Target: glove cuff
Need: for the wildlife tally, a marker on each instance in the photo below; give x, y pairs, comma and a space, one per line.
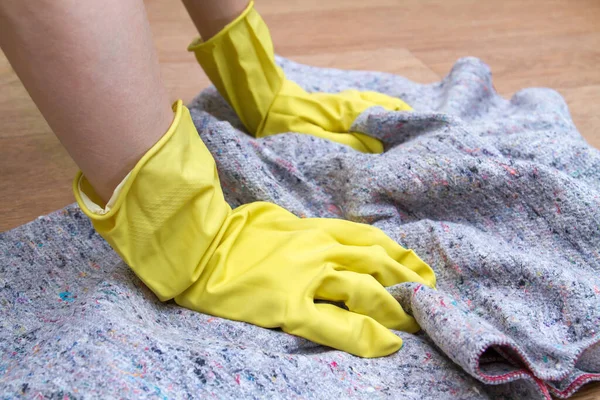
198, 42
240, 62
167, 212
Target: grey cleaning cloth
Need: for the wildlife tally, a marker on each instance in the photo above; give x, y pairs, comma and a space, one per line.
501, 198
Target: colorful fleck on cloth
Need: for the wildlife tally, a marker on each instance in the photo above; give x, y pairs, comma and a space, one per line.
501, 198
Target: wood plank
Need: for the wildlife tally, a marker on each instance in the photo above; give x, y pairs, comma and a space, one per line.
36, 178
391, 60
583, 104
552, 61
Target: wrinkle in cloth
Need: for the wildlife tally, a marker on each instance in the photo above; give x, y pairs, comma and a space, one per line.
501, 197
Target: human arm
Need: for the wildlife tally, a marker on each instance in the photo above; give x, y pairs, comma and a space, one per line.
167, 218
86, 65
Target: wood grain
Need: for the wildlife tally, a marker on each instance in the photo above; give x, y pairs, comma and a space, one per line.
552, 43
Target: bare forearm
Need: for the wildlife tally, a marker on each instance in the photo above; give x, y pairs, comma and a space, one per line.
210, 16
92, 71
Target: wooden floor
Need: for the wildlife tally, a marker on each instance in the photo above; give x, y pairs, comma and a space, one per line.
553, 43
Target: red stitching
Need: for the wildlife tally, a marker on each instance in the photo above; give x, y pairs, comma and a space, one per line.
575, 385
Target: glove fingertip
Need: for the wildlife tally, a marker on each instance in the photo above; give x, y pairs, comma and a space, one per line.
383, 343
394, 344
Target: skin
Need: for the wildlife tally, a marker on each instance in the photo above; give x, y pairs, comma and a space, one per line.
211, 16
87, 64
91, 68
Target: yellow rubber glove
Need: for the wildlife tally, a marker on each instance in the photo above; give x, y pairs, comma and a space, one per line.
258, 263
240, 62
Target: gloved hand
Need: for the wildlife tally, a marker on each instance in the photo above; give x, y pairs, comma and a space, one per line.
240, 62
258, 263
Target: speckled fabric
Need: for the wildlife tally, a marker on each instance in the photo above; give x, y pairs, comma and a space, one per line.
501, 198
